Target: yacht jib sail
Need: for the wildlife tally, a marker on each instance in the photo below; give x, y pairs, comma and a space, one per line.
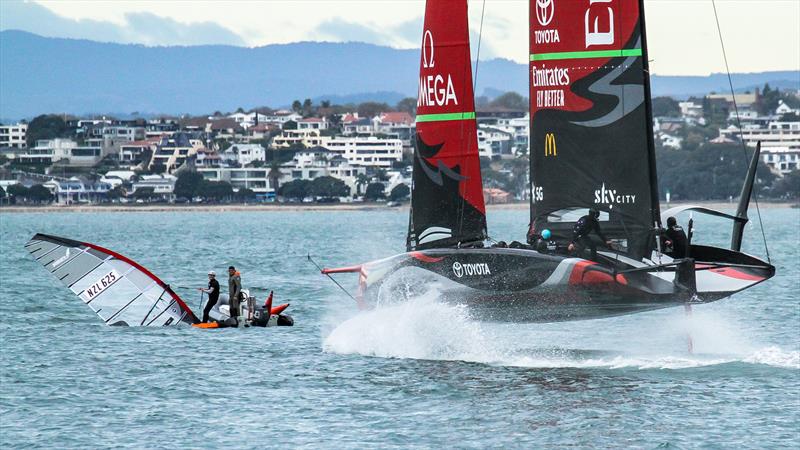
116, 288
447, 207
590, 117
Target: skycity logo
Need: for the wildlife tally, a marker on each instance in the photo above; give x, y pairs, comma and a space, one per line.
545, 9
470, 269
433, 89
550, 148
612, 197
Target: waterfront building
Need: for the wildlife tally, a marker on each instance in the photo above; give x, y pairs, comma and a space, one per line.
173, 151
352, 125
205, 158
312, 123
243, 154
78, 190
780, 143
14, 135
308, 138
367, 151
64, 152
306, 165
282, 116
161, 126
493, 142
134, 153
163, 185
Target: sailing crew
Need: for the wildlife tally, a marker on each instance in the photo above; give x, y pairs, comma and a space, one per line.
234, 290
545, 244
675, 239
213, 294
580, 234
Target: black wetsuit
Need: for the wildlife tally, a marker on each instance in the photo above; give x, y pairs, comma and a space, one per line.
213, 297
680, 244
580, 235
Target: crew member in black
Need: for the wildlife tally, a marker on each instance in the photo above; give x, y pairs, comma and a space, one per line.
213, 294
580, 234
675, 240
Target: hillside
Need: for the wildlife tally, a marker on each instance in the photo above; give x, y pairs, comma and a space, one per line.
41, 74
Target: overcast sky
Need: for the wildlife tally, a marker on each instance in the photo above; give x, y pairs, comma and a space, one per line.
760, 35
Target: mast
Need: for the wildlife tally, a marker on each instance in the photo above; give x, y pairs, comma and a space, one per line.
648, 102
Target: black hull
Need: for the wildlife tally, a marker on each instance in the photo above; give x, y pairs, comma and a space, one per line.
520, 285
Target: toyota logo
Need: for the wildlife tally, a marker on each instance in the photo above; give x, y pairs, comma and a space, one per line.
458, 269
544, 11
427, 45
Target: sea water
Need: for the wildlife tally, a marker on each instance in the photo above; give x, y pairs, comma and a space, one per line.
416, 374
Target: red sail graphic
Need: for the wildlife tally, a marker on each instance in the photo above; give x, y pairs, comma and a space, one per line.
448, 192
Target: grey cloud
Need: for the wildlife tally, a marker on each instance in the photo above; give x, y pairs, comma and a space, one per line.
140, 28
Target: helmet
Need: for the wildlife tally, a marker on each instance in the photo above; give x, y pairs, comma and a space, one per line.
212, 273
546, 234
594, 212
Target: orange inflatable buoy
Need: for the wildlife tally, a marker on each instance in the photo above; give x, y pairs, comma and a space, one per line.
206, 325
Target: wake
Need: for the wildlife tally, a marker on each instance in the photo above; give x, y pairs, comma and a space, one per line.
423, 328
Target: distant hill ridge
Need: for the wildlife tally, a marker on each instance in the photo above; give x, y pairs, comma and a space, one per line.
40, 74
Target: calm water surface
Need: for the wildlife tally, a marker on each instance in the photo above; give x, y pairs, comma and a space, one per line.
418, 374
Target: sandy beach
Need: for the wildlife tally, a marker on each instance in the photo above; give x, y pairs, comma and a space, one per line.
305, 207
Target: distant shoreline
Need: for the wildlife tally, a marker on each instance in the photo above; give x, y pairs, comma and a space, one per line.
288, 207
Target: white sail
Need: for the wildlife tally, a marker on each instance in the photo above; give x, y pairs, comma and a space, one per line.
116, 288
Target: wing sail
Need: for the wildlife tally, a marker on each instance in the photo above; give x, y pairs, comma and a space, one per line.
117, 289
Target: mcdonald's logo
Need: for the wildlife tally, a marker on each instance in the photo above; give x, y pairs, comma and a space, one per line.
550, 148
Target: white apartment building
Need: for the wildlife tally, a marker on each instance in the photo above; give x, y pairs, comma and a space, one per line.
13, 135
312, 123
241, 178
163, 185
281, 117
60, 151
780, 143
494, 142
774, 135
781, 160
306, 137
367, 151
691, 109
306, 165
244, 154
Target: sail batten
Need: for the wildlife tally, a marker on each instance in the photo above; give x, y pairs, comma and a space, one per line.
447, 207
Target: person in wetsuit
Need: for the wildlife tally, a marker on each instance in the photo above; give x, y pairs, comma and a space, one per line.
580, 234
675, 238
213, 294
234, 290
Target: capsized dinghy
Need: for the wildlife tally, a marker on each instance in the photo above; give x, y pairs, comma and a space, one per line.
124, 293
591, 147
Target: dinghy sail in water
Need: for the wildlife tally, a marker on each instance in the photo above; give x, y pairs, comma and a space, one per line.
591, 148
122, 292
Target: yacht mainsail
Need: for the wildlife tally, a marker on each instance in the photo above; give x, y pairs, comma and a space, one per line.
447, 207
591, 142
118, 289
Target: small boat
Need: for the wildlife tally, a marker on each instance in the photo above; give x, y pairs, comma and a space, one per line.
124, 293
591, 148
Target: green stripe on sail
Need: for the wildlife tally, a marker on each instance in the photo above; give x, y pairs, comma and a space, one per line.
587, 54
445, 116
